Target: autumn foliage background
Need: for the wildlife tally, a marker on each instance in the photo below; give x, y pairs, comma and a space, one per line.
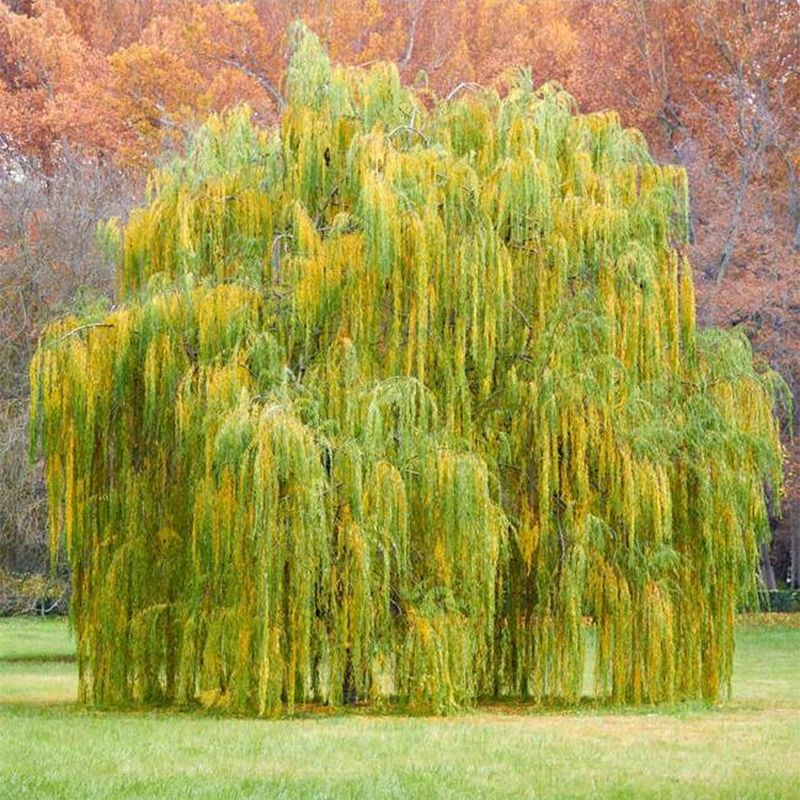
94, 92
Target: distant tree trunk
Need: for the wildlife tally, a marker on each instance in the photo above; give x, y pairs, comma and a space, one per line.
730, 240
794, 195
794, 546
415, 11
767, 572
349, 694
752, 98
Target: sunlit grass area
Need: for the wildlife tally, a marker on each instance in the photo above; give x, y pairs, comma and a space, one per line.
36, 639
742, 748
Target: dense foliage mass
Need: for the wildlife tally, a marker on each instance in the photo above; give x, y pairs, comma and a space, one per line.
94, 92
393, 398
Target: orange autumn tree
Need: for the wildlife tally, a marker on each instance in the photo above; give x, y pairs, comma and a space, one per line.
130, 78
47, 81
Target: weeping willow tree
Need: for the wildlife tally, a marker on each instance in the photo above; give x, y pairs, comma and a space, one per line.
395, 401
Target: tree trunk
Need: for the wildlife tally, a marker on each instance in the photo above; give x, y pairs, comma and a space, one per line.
794, 546
767, 572
730, 240
412, 33
794, 206
793, 181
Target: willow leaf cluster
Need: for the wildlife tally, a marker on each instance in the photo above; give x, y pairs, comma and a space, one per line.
403, 400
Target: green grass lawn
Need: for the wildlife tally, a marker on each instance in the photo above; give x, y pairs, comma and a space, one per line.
748, 747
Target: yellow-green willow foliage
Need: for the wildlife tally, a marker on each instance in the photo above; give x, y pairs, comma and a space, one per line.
394, 399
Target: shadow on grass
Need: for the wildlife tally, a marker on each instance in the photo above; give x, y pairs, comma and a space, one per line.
40, 659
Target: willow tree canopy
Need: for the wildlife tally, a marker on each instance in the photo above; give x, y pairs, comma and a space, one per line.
397, 401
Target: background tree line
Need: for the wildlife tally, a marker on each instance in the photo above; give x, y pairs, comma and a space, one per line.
94, 92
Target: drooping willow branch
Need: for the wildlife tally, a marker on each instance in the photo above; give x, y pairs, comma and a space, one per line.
402, 445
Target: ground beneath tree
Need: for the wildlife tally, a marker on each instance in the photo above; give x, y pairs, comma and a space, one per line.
743, 748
